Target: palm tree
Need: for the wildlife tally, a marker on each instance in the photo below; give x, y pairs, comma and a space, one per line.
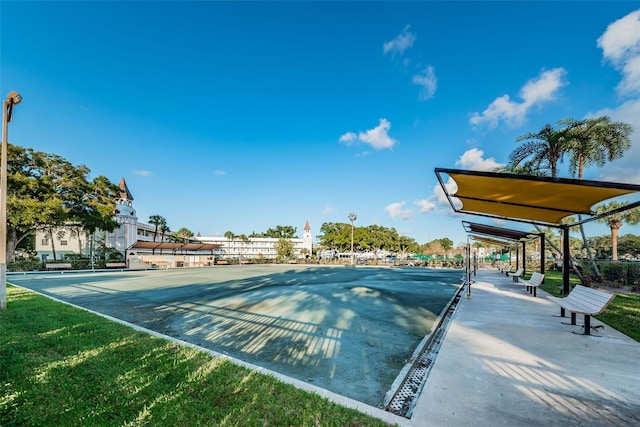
540, 153
544, 149
157, 221
616, 220
244, 239
230, 236
164, 229
594, 142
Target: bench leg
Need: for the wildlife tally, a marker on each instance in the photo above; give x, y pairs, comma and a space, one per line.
562, 312
587, 324
573, 318
534, 290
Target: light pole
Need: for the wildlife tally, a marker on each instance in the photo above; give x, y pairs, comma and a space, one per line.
352, 217
13, 98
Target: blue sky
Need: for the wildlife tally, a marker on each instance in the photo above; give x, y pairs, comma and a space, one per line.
241, 116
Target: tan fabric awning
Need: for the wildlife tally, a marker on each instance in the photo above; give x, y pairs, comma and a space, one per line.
531, 198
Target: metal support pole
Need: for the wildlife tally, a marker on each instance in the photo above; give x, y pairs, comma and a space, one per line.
352, 218
542, 255
3, 206
468, 253
566, 288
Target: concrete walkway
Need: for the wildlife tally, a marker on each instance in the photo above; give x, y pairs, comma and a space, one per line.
507, 360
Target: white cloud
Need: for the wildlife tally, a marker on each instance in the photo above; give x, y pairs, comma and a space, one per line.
219, 172
396, 210
535, 92
620, 45
328, 210
400, 43
378, 137
473, 160
626, 169
428, 83
141, 172
425, 205
348, 138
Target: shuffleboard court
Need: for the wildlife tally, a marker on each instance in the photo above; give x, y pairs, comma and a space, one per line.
348, 330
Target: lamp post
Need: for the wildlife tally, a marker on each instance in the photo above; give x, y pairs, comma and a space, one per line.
13, 98
352, 217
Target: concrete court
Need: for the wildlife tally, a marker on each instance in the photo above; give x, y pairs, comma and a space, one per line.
343, 329
508, 361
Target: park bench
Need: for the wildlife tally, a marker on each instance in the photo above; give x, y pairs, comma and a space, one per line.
532, 284
58, 266
505, 269
116, 265
583, 300
516, 274
222, 262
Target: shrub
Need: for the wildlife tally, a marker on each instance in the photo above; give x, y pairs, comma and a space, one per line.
24, 264
633, 276
614, 275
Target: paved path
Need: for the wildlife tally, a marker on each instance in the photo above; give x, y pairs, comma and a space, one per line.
507, 361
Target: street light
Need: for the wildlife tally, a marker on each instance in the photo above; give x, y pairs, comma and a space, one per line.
352, 217
13, 98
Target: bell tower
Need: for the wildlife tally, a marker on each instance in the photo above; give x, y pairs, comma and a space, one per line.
307, 240
125, 215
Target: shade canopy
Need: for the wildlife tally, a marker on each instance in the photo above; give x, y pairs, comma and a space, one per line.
493, 231
174, 246
530, 198
490, 241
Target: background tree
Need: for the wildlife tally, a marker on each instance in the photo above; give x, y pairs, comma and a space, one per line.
156, 221
616, 220
629, 244
230, 236
446, 244
335, 236
375, 238
100, 205
282, 231
183, 234
164, 229
284, 248
45, 192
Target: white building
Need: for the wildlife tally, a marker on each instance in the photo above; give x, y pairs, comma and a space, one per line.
253, 248
72, 240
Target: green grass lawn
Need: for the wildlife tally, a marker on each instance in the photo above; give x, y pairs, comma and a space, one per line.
623, 313
62, 366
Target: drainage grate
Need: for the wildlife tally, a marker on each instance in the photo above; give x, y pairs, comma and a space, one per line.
406, 395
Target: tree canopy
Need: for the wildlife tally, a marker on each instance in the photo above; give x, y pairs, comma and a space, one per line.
372, 238
280, 232
45, 191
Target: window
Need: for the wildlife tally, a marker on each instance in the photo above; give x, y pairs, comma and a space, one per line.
45, 242
63, 243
